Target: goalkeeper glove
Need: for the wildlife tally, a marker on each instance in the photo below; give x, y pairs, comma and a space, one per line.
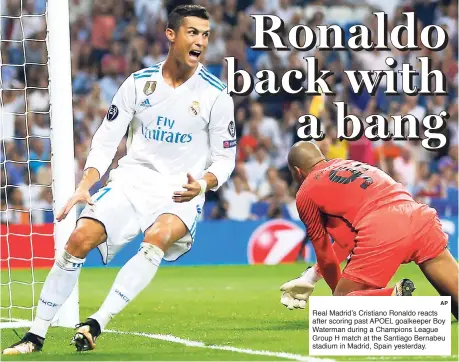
296, 292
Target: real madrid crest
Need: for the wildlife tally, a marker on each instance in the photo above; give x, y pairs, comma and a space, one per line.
195, 108
149, 88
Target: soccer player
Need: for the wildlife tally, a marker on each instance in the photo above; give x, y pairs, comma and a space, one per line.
386, 228
181, 143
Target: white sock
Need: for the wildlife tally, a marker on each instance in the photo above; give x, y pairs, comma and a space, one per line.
58, 286
133, 277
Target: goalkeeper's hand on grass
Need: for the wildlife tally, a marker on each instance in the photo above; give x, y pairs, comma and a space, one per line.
295, 293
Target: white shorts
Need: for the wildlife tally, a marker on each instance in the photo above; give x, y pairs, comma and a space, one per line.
126, 212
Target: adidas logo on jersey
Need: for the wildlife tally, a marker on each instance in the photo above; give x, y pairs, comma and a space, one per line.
145, 103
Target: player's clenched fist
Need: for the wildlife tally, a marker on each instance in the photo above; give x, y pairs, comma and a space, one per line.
296, 293
80, 195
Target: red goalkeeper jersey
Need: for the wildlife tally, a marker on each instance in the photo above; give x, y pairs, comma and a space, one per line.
346, 189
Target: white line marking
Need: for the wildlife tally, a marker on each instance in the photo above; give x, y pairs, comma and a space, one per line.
18, 323
189, 343
412, 358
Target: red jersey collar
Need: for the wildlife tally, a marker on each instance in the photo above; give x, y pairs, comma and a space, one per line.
320, 165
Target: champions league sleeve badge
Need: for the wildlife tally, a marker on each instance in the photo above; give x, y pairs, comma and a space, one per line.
232, 129
112, 113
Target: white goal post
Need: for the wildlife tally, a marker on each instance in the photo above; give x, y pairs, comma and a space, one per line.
62, 147
61, 153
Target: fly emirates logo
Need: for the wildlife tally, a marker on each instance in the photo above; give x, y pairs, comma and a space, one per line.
163, 132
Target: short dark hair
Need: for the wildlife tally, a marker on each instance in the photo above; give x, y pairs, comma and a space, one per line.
176, 16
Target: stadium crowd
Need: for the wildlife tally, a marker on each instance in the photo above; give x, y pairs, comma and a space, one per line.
111, 39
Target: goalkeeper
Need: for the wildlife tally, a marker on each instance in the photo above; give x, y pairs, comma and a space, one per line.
386, 228
181, 143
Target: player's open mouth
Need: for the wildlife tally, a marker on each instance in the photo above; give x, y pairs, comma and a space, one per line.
195, 54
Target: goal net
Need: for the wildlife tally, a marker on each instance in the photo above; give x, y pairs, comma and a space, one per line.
37, 172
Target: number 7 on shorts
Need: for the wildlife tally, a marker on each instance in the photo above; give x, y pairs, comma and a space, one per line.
104, 191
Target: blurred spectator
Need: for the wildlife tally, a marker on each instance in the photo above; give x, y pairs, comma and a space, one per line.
96, 103
44, 175
16, 213
239, 200
286, 11
109, 83
84, 72
10, 104
249, 141
268, 128
240, 170
447, 168
43, 207
27, 26
155, 56
256, 168
30, 193
35, 50
148, 12
78, 9
405, 167
15, 167
230, 12
114, 60
432, 188
37, 154
219, 27
103, 27
38, 98
362, 150
258, 7
4, 219
157, 35
287, 131
411, 106
422, 176
219, 212
385, 154
39, 124
266, 188
336, 148
280, 196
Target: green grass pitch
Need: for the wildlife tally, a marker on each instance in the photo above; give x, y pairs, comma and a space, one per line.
226, 306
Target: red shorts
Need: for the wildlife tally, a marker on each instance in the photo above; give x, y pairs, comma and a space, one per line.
392, 236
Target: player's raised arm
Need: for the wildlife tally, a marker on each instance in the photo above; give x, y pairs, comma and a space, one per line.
108, 136
222, 135
326, 257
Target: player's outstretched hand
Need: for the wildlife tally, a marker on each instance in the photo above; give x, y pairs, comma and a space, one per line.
295, 293
80, 195
193, 188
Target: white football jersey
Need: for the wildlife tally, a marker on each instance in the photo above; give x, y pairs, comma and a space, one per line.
171, 131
